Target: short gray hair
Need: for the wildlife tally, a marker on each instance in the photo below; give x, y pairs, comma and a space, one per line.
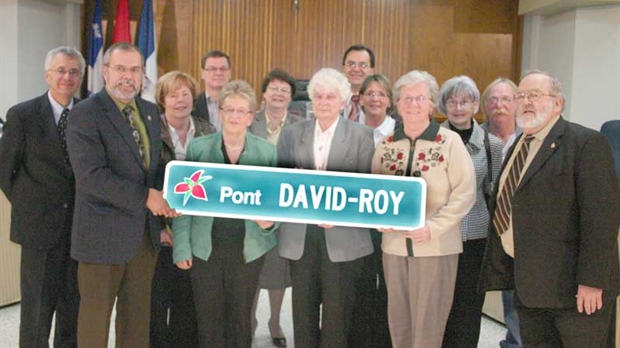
555, 86
241, 89
67, 51
332, 79
121, 46
414, 77
458, 86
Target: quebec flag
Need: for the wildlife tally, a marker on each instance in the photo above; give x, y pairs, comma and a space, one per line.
95, 54
146, 44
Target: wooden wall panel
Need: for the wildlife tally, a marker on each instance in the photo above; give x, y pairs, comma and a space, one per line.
445, 37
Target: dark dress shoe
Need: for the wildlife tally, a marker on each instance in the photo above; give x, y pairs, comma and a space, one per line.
279, 342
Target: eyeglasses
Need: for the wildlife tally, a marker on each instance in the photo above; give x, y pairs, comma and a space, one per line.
533, 96
233, 111
373, 94
134, 70
212, 69
420, 99
352, 65
453, 104
495, 100
275, 89
62, 72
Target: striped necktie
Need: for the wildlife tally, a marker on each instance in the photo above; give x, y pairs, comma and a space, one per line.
501, 219
354, 113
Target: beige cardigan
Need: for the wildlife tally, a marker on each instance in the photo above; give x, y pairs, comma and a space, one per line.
441, 159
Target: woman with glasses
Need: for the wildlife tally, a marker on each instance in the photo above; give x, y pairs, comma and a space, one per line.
278, 89
225, 255
326, 261
459, 100
370, 327
172, 292
376, 102
420, 265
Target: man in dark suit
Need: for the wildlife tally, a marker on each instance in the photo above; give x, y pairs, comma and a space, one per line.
555, 224
36, 177
114, 146
215, 74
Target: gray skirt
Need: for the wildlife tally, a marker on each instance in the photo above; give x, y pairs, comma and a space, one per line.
276, 273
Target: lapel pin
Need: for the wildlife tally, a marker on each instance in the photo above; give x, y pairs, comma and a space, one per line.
553, 145
148, 117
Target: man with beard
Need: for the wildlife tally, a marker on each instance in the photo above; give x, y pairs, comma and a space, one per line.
114, 145
357, 63
555, 224
498, 107
36, 177
215, 74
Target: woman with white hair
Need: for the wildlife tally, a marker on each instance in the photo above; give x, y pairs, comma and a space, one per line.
420, 265
326, 261
459, 100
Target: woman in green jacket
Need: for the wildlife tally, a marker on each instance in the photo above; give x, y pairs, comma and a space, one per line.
225, 255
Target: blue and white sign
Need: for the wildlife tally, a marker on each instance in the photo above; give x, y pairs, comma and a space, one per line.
294, 195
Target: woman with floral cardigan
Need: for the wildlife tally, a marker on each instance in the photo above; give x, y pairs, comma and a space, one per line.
420, 265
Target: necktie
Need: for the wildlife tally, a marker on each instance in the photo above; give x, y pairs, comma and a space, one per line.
62, 132
129, 115
354, 113
501, 219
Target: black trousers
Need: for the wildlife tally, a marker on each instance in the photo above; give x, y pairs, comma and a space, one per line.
48, 285
463, 327
564, 327
317, 280
224, 289
173, 315
369, 327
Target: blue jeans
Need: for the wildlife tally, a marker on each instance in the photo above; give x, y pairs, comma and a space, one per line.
513, 336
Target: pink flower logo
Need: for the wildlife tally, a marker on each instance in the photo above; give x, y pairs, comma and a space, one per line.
192, 187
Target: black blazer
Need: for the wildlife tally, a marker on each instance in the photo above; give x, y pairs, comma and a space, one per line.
111, 183
34, 175
566, 215
200, 108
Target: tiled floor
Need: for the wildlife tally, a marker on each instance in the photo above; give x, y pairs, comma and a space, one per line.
490, 335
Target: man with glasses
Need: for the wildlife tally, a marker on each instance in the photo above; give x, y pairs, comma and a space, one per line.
357, 63
114, 145
498, 107
555, 224
215, 74
36, 177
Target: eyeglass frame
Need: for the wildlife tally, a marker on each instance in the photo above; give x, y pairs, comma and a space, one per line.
375, 94
62, 72
233, 111
121, 69
453, 104
418, 99
495, 100
213, 69
275, 89
520, 97
352, 65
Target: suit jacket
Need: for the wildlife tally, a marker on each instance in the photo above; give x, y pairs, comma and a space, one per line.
112, 185
565, 216
192, 234
351, 151
34, 175
259, 124
200, 108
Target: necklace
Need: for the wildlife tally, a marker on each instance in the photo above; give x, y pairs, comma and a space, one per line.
234, 147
